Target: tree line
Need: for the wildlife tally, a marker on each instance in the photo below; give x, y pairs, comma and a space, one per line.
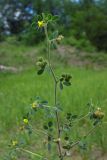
82, 19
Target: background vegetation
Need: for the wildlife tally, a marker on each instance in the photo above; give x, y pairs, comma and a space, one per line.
85, 20
83, 53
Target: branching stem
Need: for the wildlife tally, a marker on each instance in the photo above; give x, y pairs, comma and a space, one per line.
87, 134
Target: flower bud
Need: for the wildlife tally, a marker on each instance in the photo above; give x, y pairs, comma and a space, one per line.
25, 120
35, 105
14, 142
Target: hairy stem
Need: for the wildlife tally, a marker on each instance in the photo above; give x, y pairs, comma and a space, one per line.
55, 91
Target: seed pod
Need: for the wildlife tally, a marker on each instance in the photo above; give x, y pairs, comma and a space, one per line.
98, 114
59, 38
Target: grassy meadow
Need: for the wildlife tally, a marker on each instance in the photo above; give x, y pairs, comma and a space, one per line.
17, 91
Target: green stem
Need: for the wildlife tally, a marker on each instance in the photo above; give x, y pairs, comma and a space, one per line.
48, 51
40, 131
55, 91
90, 131
58, 124
77, 120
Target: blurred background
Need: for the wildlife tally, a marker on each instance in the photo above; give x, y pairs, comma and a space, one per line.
84, 20
82, 52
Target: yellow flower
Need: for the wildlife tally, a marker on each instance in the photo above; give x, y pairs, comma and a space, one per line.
35, 104
14, 142
41, 24
25, 120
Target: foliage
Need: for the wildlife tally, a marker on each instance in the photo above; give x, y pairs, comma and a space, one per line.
96, 32
86, 23
56, 134
82, 17
31, 36
82, 44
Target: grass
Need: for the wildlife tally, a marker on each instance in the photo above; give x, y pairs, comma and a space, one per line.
17, 91
11, 55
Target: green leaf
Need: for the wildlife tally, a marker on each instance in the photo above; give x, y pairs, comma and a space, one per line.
53, 44
54, 35
61, 85
74, 116
49, 17
66, 138
82, 145
50, 129
45, 127
40, 71
96, 122
55, 18
50, 123
91, 116
44, 102
68, 116
66, 147
67, 83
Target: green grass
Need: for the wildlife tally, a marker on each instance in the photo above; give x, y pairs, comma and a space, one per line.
17, 90
14, 54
